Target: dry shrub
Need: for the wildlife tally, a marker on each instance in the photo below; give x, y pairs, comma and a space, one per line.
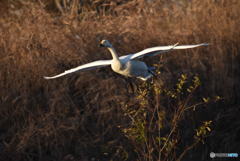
77, 117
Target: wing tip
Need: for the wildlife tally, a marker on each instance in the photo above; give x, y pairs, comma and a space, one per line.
47, 77
206, 44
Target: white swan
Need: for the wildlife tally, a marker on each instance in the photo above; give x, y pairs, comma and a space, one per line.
126, 65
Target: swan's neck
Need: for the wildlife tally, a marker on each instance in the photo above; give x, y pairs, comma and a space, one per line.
114, 53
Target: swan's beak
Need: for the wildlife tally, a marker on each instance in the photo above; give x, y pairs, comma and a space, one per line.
101, 45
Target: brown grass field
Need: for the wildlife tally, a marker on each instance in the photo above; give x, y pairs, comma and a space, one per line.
190, 110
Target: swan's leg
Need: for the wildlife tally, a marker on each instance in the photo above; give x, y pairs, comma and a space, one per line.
152, 71
151, 68
156, 78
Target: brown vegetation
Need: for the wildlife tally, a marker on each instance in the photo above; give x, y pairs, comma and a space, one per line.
93, 115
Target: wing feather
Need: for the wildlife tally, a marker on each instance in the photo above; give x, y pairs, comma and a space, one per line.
158, 50
147, 52
88, 66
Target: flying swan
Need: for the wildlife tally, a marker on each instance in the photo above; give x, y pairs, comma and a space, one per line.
127, 65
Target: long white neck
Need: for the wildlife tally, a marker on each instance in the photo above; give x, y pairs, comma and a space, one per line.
114, 53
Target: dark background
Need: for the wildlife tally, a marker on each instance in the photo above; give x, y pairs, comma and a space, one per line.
94, 115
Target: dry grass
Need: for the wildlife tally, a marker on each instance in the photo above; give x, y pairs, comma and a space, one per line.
87, 115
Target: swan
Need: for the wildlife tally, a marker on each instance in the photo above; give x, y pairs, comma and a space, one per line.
127, 65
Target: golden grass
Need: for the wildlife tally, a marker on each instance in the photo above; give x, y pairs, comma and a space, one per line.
83, 116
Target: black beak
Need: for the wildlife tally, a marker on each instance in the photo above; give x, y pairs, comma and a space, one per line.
101, 45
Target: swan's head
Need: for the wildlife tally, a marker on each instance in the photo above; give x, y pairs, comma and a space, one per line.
105, 43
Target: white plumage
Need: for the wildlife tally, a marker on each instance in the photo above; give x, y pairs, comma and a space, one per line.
126, 65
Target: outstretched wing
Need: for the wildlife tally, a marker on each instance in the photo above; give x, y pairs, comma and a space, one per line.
158, 50
88, 66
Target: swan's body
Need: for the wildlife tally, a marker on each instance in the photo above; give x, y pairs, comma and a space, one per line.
129, 68
126, 65
132, 68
